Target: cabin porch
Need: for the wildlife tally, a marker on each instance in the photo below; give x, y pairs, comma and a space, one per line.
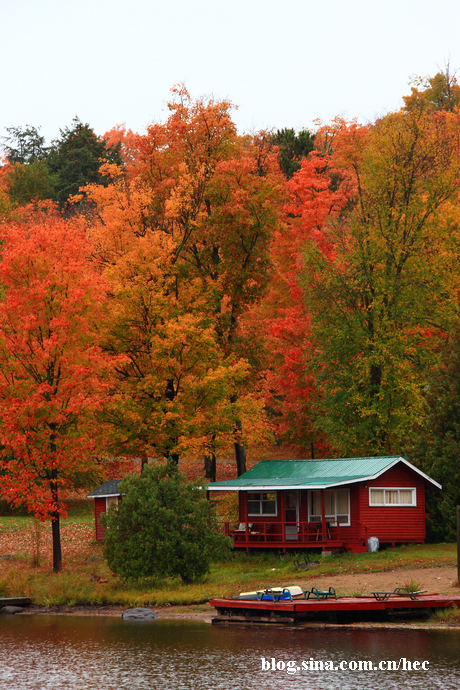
295, 535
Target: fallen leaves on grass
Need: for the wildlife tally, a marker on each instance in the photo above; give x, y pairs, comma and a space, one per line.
17, 539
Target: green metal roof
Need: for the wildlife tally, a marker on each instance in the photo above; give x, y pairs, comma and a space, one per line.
284, 474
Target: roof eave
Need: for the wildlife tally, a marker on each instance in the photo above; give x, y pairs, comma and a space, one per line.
288, 487
411, 467
279, 487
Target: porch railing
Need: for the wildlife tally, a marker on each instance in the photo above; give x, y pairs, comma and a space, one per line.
362, 531
282, 532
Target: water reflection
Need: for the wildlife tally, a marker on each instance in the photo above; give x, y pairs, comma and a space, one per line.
82, 653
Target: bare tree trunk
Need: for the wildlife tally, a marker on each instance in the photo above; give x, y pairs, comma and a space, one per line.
144, 461
210, 465
170, 395
240, 450
240, 455
55, 524
174, 457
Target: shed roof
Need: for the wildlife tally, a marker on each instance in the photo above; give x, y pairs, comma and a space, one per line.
313, 474
106, 489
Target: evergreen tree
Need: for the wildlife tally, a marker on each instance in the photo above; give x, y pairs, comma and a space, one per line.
24, 145
292, 148
164, 526
75, 160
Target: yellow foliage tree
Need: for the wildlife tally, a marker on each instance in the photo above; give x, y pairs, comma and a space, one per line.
381, 280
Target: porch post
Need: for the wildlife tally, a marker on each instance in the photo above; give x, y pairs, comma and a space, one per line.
458, 543
323, 517
245, 514
283, 517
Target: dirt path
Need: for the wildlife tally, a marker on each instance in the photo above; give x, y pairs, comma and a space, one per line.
437, 580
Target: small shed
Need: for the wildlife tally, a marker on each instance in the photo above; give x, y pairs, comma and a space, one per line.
105, 495
331, 504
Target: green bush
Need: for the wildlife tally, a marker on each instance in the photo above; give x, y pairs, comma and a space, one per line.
164, 526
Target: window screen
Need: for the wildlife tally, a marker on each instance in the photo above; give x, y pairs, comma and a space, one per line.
262, 503
392, 497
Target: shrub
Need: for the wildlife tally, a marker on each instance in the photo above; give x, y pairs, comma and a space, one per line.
413, 586
164, 526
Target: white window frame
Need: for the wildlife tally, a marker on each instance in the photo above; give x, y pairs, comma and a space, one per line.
330, 518
261, 500
109, 500
393, 505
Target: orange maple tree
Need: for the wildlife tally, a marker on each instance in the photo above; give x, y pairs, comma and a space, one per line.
54, 375
198, 204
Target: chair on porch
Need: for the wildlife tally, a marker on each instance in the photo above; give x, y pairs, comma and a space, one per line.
239, 534
254, 532
268, 532
319, 531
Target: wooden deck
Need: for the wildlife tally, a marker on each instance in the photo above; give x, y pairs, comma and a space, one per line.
342, 610
295, 536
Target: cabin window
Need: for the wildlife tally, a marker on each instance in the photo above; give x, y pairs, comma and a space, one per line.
336, 506
392, 497
261, 503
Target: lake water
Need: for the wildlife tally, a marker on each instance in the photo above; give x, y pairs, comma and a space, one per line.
82, 653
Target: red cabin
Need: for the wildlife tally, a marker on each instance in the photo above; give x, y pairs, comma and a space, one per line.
328, 504
105, 495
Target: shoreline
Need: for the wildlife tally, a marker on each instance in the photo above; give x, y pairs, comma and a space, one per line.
206, 616
434, 578
171, 612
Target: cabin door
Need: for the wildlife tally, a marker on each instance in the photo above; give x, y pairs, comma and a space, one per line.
291, 514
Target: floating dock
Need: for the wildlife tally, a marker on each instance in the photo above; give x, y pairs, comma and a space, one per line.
342, 610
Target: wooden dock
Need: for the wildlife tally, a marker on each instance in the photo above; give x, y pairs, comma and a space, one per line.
15, 601
342, 610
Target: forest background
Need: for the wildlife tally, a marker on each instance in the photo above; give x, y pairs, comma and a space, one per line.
191, 290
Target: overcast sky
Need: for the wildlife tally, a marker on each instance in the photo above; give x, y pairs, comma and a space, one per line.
283, 64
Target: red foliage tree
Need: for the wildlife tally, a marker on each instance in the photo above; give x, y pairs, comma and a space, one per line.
53, 375
318, 193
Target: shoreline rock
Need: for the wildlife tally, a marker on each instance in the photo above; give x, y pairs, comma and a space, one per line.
10, 610
139, 615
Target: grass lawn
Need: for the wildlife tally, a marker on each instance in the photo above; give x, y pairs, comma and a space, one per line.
86, 579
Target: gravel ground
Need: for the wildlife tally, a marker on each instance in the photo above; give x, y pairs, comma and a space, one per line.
436, 580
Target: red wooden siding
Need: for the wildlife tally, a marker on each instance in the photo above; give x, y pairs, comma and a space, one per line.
395, 523
388, 523
99, 508
348, 532
353, 532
